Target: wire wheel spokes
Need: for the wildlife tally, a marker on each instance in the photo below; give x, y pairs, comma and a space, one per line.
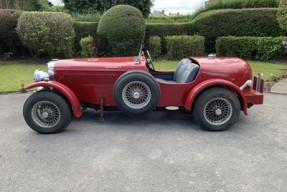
218, 111
46, 114
136, 94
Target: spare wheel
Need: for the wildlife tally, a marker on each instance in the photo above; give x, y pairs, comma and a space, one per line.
136, 93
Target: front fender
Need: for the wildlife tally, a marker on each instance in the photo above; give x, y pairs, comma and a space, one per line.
64, 90
199, 88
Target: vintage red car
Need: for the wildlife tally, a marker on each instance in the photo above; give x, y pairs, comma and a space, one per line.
214, 89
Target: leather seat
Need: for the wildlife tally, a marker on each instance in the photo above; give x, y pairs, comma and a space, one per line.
185, 72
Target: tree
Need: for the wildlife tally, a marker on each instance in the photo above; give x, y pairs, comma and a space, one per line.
101, 6
282, 14
38, 5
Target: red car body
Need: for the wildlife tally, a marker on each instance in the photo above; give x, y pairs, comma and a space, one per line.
92, 81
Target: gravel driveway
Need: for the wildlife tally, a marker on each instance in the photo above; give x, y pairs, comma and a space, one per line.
164, 151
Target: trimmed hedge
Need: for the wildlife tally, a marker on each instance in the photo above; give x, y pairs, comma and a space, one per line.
166, 29
179, 47
261, 48
155, 46
47, 34
243, 22
124, 28
8, 35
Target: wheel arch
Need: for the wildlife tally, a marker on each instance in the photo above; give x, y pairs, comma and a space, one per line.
64, 91
208, 84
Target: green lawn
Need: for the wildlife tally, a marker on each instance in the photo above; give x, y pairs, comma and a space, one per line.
13, 73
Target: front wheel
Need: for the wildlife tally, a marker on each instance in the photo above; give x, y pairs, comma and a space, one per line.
216, 109
47, 112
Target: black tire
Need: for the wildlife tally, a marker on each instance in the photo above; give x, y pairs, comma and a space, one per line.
47, 112
136, 93
216, 109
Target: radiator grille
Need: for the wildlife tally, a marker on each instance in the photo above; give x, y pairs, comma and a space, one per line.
85, 78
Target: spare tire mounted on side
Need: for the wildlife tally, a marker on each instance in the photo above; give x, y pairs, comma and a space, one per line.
136, 93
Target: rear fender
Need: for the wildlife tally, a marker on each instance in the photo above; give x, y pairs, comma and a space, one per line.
62, 89
199, 88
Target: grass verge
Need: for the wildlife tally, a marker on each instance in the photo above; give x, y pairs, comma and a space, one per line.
13, 73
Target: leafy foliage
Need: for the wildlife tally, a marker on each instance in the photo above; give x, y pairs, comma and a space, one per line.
13, 4
84, 6
38, 5
155, 46
237, 4
31, 5
183, 46
217, 23
245, 22
84, 29
214, 5
86, 17
88, 48
8, 35
282, 14
166, 29
124, 28
261, 48
169, 19
47, 34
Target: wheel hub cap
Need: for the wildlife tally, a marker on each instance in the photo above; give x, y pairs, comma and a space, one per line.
218, 112
45, 115
136, 95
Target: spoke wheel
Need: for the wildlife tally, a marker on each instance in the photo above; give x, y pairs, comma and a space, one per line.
47, 112
216, 109
136, 94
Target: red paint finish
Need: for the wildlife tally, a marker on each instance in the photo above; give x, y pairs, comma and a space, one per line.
87, 80
91, 79
64, 90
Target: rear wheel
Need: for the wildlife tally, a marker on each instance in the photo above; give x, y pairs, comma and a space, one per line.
216, 109
47, 112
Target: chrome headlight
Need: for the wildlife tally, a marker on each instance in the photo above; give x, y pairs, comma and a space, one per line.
40, 75
51, 66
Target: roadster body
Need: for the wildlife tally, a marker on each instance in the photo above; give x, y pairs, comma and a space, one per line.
214, 89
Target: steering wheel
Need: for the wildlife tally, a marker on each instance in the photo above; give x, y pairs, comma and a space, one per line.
150, 60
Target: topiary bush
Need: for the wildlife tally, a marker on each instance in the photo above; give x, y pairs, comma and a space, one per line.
179, 47
8, 35
239, 22
88, 47
47, 34
261, 48
123, 27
